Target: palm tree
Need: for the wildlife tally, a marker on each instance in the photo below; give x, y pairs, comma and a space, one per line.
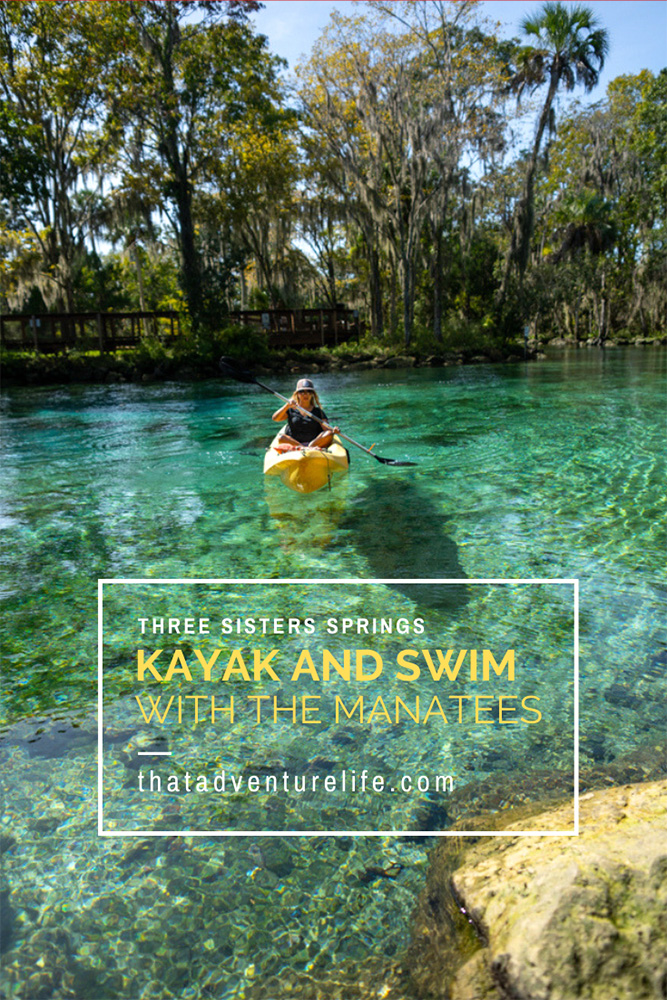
570, 49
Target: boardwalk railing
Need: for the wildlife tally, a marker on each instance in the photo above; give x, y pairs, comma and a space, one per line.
303, 327
52, 333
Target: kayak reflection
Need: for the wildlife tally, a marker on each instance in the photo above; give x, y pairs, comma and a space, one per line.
306, 523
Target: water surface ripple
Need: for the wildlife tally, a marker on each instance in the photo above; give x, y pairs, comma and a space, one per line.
553, 469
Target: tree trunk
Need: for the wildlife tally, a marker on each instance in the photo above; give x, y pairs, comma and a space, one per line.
408, 297
603, 314
522, 223
436, 275
331, 283
393, 300
377, 322
189, 257
331, 265
244, 288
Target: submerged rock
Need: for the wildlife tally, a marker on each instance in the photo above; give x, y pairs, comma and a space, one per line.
7, 919
51, 735
570, 917
59, 735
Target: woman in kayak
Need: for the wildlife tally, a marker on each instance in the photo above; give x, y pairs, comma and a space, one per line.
300, 429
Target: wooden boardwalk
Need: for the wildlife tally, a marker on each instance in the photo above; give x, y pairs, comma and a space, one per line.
55, 333
303, 327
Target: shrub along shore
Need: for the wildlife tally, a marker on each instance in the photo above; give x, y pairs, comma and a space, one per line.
154, 362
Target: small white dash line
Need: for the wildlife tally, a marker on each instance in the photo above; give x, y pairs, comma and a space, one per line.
153, 753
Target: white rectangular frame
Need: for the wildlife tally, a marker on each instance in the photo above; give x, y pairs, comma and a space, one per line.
101, 583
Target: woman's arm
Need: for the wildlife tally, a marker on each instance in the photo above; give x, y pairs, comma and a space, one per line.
281, 414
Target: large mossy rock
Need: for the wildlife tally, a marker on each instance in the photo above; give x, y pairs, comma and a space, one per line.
565, 918
551, 918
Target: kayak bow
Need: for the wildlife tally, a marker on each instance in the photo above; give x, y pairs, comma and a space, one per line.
306, 469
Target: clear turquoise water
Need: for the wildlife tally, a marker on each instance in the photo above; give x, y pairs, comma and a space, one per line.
553, 469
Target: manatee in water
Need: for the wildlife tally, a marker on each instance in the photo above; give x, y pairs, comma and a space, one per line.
401, 532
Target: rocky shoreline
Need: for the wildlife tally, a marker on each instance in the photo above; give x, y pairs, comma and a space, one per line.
135, 367
138, 366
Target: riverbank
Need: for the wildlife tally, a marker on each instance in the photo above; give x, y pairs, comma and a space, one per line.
165, 364
138, 366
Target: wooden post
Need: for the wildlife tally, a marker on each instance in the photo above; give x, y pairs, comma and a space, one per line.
100, 331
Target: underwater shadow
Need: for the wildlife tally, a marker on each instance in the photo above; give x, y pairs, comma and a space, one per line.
401, 533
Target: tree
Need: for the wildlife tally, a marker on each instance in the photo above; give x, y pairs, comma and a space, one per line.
322, 219
398, 95
54, 60
256, 182
605, 207
570, 49
467, 68
185, 83
650, 142
331, 94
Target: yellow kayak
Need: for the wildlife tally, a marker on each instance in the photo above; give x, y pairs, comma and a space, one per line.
306, 469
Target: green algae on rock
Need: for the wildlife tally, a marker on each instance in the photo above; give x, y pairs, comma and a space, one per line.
567, 918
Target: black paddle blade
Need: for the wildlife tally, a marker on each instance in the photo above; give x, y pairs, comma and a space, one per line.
229, 367
392, 461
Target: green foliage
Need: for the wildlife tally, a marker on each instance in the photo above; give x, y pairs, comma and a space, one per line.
603, 218
243, 342
53, 137
151, 158
458, 334
650, 140
100, 286
259, 299
152, 351
23, 165
568, 42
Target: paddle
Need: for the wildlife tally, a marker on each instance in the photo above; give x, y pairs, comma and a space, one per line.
228, 367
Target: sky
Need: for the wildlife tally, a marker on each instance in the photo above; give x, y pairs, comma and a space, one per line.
637, 28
